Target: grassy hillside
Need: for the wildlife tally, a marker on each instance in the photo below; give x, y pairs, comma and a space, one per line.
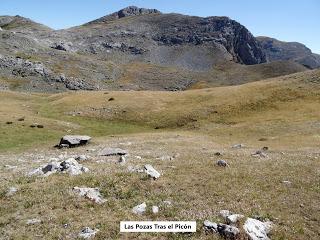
273, 108
280, 113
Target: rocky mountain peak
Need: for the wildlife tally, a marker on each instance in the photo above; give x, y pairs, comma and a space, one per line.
135, 11
126, 12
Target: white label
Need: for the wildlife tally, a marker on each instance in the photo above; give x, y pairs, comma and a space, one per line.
158, 226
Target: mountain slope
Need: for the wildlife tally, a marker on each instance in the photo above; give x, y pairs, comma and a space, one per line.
133, 49
294, 51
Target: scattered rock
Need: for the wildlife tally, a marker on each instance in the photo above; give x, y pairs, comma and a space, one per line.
111, 99
167, 203
257, 230
122, 160
135, 169
88, 233
33, 221
40, 126
155, 209
11, 191
21, 119
165, 158
51, 168
151, 171
287, 182
238, 146
112, 152
259, 153
72, 167
82, 158
92, 194
265, 148
73, 141
225, 213
140, 209
263, 139
10, 167
210, 226
222, 163
228, 232
234, 218
62, 46
9, 123
218, 154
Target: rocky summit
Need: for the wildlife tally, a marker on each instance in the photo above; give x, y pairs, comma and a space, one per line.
138, 49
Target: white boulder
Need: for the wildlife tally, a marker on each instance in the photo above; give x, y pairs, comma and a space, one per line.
140, 209
257, 230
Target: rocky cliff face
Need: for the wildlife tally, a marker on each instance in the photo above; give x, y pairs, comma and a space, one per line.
294, 51
234, 37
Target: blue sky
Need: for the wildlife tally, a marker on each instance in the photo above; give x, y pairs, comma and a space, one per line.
287, 20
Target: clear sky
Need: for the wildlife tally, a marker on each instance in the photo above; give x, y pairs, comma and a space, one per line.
287, 20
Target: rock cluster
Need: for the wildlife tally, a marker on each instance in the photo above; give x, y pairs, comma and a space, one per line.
255, 229
70, 166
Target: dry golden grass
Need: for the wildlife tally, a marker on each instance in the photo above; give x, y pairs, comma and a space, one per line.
195, 124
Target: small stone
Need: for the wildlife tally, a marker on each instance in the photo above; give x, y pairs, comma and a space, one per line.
88, 233
225, 213
140, 209
11, 191
217, 154
287, 182
265, 148
9, 123
263, 139
238, 146
122, 160
167, 203
222, 163
81, 158
234, 218
259, 153
155, 209
92, 194
151, 171
21, 119
33, 221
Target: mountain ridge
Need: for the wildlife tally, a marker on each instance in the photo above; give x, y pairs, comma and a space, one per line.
135, 49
